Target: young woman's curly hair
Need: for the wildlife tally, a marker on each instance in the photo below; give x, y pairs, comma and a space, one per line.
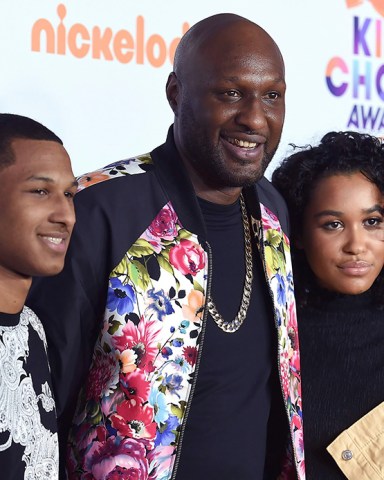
339, 153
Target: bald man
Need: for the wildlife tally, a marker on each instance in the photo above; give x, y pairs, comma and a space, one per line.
173, 325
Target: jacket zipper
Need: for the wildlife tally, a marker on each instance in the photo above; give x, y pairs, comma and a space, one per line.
193, 387
261, 247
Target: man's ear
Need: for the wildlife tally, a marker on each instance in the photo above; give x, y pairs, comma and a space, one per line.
172, 90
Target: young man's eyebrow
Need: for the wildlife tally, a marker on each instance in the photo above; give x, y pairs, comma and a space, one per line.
75, 183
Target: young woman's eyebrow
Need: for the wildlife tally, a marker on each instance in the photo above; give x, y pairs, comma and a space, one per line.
327, 213
373, 209
336, 213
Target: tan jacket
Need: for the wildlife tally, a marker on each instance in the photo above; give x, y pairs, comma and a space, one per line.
359, 451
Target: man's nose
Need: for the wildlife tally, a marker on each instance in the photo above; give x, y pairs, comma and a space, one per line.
252, 115
63, 211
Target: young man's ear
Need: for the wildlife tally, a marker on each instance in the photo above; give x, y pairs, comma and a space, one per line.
172, 91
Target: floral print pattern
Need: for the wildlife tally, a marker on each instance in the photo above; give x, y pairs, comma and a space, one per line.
132, 409
141, 375
278, 266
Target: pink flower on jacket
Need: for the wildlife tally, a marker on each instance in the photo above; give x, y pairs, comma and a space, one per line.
270, 221
116, 459
103, 375
190, 355
134, 420
160, 460
285, 373
187, 257
135, 386
299, 442
292, 322
163, 227
142, 339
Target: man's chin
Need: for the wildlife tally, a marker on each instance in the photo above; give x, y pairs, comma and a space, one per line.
247, 180
236, 181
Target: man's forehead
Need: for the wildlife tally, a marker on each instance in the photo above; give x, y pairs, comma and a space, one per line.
239, 40
215, 36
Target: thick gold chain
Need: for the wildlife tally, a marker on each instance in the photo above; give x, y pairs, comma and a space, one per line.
235, 324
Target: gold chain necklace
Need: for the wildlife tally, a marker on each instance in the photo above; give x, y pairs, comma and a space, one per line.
234, 325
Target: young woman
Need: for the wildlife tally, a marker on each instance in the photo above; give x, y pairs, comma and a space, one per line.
334, 192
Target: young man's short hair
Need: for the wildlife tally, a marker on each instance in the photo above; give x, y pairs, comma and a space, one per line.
14, 126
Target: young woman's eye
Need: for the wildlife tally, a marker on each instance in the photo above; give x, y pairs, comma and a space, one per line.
374, 222
335, 225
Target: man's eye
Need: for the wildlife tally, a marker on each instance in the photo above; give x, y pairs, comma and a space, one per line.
69, 194
232, 93
273, 95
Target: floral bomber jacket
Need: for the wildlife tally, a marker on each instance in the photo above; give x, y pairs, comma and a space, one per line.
132, 410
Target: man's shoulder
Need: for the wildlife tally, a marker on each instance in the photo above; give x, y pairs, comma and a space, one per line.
273, 201
29, 317
269, 196
123, 168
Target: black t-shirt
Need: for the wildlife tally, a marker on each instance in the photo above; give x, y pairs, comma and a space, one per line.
225, 436
28, 438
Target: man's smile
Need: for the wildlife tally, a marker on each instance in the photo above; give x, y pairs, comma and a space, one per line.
241, 143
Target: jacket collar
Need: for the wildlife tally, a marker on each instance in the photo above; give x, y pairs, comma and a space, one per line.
174, 178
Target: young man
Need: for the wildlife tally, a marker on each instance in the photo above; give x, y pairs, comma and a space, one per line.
36, 221
180, 283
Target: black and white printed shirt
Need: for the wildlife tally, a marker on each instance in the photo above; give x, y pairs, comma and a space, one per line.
28, 428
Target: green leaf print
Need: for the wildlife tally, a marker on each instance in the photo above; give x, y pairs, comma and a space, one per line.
183, 233
164, 263
138, 274
141, 248
197, 286
273, 238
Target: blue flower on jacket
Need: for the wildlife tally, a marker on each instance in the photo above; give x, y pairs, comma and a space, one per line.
181, 364
159, 403
166, 435
173, 383
290, 281
166, 352
120, 297
281, 294
159, 303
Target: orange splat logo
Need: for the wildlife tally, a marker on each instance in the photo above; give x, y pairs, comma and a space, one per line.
378, 5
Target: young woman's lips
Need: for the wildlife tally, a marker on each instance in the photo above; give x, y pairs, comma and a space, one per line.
358, 268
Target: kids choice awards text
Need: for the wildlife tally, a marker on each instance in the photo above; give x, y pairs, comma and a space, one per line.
361, 76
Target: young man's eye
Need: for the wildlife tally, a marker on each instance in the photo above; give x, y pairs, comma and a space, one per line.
40, 192
70, 194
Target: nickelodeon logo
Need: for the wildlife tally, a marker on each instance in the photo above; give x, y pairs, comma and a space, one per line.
98, 43
378, 5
